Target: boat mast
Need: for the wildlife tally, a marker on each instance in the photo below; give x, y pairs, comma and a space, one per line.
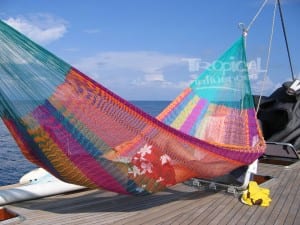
285, 38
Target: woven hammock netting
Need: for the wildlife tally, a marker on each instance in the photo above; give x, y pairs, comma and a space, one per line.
82, 133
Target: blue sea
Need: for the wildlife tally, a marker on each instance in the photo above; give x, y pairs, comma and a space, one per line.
13, 165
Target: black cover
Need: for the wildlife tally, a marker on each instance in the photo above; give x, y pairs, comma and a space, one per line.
279, 115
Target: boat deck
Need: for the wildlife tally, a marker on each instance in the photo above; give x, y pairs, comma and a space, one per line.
181, 204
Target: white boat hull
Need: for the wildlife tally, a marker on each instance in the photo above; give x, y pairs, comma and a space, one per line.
36, 184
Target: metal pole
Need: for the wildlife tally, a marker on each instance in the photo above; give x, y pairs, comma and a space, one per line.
285, 38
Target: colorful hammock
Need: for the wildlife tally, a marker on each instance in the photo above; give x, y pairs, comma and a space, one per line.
82, 133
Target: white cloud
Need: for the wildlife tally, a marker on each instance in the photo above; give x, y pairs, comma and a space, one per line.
154, 77
149, 72
150, 66
42, 28
263, 86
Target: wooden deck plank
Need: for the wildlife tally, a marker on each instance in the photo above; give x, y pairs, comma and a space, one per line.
179, 218
229, 215
131, 204
162, 216
179, 205
295, 207
297, 218
197, 210
280, 204
253, 215
151, 215
282, 198
193, 209
217, 208
286, 212
200, 215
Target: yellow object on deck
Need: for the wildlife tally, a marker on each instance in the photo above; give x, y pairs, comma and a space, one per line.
256, 195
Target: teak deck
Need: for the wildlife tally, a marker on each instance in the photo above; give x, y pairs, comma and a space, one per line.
181, 204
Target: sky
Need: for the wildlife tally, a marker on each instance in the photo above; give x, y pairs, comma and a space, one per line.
153, 49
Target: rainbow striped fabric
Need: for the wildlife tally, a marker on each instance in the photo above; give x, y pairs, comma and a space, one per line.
82, 133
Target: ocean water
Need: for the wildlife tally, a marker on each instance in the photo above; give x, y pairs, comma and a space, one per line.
13, 165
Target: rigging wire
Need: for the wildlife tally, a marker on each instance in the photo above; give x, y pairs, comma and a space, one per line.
245, 29
245, 32
256, 15
268, 57
285, 38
